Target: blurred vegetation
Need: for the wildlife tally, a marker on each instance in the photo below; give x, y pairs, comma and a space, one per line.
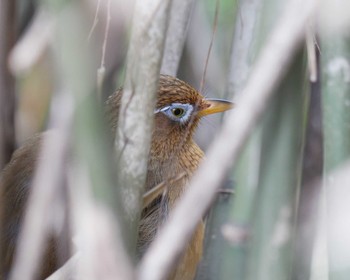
266, 223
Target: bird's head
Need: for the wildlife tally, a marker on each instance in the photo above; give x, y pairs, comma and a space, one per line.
179, 108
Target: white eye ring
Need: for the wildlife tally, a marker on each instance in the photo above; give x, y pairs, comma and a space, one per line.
169, 111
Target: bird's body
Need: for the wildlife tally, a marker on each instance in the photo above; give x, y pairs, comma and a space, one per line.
15, 181
173, 159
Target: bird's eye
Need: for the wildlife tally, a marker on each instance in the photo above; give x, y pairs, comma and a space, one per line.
177, 112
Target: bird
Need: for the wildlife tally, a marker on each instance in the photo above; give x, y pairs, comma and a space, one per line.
173, 158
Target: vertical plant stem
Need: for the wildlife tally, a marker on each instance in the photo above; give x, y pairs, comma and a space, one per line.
243, 47
335, 61
138, 102
274, 214
246, 174
176, 35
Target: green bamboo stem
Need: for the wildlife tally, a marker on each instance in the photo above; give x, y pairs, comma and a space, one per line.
272, 227
335, 62
336, 100
273, 203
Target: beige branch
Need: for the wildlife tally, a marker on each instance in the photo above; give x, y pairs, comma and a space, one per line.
138, 101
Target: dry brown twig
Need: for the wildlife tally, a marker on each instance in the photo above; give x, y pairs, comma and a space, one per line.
269, 69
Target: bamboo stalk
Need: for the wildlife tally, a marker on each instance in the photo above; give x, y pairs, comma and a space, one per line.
176, 35
274, 213
335, 62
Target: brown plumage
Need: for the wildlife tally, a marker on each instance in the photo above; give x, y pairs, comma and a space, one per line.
15, 183
173, 159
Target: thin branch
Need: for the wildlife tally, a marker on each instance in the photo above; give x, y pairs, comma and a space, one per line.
198, 54
269, 69
153, 193
215, 25
94, 24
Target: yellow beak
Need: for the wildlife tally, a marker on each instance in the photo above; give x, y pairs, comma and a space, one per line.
213, 106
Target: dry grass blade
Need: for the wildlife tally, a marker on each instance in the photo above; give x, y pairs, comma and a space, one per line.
152, 194
215, 25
